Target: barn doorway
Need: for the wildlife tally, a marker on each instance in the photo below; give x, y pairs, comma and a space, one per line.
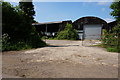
92, 31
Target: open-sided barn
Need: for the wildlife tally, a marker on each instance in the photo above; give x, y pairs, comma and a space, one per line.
51, 28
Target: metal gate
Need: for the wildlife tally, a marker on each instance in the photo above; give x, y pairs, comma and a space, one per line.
91, 42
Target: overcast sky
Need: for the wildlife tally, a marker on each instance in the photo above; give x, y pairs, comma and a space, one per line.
60, 11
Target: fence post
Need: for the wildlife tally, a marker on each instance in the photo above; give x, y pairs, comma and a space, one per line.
118, 45
46, 33
82, 39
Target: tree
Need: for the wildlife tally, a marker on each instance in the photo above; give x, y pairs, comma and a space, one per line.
28, 13
11, 20
116, 13
111, 39
18, 32
116, 10
68, 33
15, 24
27, 9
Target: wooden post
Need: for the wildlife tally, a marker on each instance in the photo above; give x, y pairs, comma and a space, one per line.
46, 33
118, 45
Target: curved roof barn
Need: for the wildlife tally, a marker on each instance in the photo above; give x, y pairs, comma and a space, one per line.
89, 20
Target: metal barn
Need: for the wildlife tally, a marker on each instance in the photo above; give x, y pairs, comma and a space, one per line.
90, 27
87, 27
50, 29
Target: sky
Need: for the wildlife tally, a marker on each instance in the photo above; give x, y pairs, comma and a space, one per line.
61, 11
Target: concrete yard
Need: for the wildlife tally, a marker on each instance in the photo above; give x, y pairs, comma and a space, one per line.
63, 59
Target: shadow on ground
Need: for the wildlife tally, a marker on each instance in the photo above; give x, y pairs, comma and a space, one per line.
61, 45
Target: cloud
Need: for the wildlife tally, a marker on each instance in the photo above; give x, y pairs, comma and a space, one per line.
64, 1
17, 1
109, 20
102, 3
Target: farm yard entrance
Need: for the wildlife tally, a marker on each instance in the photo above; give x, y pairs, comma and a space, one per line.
62, 59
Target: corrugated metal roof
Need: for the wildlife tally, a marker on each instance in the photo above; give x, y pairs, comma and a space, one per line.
47, 23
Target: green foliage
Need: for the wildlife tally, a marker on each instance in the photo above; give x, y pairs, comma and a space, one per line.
17, 30
36, 41
10, 45
27, 10
44, 37
116, 10
114, 37
111, 39
5, 41
33, 42
110, 49
14, 23
68, 33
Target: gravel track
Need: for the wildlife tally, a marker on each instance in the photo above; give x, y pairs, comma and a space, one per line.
62, 59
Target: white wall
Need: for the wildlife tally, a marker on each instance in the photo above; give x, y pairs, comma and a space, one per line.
80, 34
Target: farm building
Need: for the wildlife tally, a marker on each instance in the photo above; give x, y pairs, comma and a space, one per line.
112, 24
90, 27
50, 28
87, 27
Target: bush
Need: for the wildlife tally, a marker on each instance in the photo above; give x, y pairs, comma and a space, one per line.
36, 41
5, 41
44, 37
68, 33
110, 49
111, 39
7, 44
33, 42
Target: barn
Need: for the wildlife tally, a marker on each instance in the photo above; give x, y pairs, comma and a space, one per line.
50, 29
87, 27
90, 27
112, 24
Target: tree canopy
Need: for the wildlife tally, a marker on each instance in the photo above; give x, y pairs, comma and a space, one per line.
116, 10
17, 29
111, 38
14, 22
27, 9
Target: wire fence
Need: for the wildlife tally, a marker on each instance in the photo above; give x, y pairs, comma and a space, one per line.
110, 41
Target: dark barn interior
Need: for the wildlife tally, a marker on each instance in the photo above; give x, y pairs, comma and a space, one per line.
112, 24
51, 28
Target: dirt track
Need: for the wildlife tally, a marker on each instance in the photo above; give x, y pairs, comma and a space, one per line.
63, 59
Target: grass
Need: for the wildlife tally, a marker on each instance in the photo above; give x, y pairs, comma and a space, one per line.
110, 49
98, 45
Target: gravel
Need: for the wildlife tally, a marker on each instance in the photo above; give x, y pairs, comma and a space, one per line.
62, 59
